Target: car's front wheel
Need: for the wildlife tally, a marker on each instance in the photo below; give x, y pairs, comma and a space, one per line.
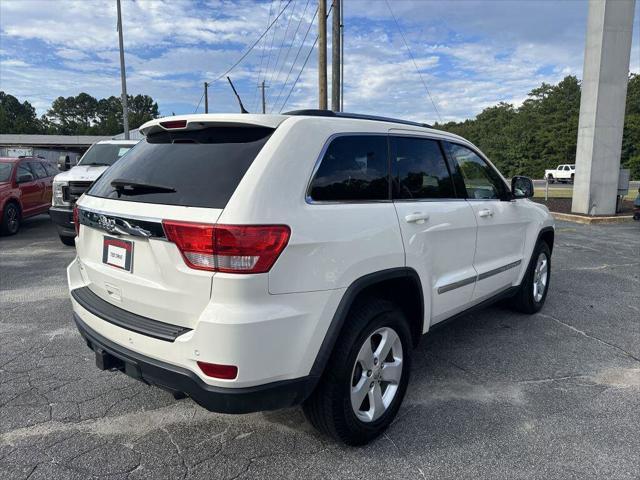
367, 376
534, 287
10, 221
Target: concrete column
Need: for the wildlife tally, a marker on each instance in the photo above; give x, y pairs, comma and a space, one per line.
602, 105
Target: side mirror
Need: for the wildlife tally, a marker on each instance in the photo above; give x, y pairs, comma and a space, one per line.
521, 187
64, 163
24, 178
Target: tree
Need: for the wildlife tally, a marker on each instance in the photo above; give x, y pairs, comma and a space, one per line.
16, 117
543, 131
85, 115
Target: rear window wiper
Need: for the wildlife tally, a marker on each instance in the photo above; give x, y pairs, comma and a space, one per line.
131, 187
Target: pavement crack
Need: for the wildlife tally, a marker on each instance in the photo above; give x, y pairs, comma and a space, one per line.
420, 472
593, 337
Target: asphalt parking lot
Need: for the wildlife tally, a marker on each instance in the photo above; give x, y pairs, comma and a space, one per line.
493, 395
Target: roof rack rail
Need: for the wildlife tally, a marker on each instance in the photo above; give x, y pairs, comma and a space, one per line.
330, 113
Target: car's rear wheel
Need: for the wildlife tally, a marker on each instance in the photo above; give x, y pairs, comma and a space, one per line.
68, 241
367, 376
10, 222
534, 287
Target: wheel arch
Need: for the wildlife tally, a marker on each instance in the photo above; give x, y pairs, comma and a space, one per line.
401, 285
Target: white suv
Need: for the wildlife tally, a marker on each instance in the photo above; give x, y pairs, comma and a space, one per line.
255, 262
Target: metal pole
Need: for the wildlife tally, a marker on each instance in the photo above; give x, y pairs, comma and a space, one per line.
341, 56
206, 97
123, 76
264, 101
322, 54
335, 57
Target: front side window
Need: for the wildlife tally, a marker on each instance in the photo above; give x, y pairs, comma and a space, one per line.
480, 180
23, 169
419, 170
354, 168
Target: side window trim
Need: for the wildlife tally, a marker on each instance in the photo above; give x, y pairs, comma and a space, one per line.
439, 141
487, 163
309, 199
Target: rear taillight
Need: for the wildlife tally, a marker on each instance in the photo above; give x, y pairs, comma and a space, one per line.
76, 220
228, 248
225, 372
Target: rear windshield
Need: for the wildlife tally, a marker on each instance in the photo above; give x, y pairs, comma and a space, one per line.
197, 168
104, 154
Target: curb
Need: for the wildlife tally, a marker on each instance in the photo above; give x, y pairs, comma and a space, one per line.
569, 217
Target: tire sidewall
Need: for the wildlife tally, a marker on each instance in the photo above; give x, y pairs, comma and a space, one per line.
542, 247
391, 319
5, 219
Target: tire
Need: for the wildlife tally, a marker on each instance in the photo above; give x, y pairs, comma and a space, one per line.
10, 222
68, 241
572, 178
528, 300
550, 179
329, 408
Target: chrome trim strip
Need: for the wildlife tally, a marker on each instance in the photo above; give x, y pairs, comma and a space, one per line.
127, 216
498, 270
482, 276
121, 225
458, 284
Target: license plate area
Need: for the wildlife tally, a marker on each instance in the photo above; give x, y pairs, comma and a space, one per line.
117, 253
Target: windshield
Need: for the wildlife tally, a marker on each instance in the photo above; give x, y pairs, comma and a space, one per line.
104, 154
200, 168
5, 171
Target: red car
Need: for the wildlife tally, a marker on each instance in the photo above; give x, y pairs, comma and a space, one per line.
25, 190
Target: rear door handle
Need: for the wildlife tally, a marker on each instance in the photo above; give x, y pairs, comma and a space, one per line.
485, 213
417, 217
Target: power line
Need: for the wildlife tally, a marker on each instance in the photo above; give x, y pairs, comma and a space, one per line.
295, 60
273, 38
244, 55
199, 102
299, 73
293, 39
413, 60
284, 37
264, 47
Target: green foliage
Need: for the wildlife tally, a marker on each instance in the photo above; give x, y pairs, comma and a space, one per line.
542, 133
79, 115
16, 117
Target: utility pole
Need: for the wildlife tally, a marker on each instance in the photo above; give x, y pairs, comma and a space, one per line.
342, 57
123, 76
206, 97
322, 54
335, 57
264, 101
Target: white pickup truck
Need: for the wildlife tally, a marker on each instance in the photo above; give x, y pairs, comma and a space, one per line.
562, 173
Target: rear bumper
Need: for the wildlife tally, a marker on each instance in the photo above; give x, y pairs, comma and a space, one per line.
63, 218
272, 396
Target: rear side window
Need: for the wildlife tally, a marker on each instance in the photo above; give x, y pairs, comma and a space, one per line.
419, 169
51, 170
353, 168
38, 169
197, 168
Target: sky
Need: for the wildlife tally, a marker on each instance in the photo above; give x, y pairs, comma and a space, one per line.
463, 56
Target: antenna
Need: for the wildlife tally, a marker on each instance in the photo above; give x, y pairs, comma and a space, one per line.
242, 109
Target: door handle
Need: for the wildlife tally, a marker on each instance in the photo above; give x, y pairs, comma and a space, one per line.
417, 217
485, 213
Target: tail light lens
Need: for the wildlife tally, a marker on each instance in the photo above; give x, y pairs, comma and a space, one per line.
228, 248
76, 220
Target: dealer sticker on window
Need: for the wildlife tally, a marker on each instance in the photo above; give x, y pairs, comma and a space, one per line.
118, 253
